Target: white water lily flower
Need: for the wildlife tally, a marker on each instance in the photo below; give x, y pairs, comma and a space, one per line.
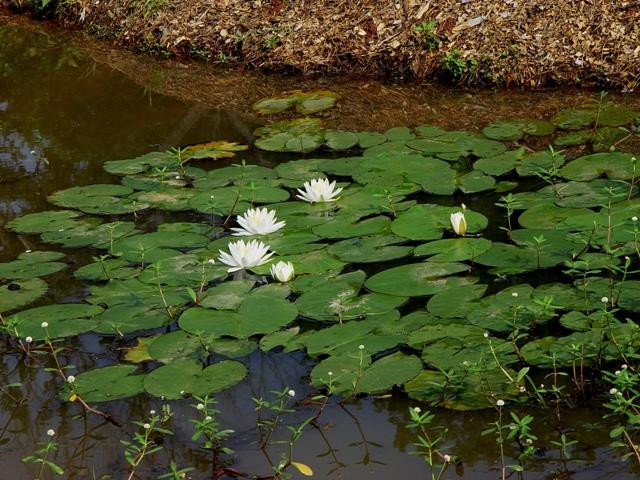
319, 190
245, 255
257, 221
459, 223
283, 271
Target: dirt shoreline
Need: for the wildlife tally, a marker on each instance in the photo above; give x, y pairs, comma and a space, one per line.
502, 43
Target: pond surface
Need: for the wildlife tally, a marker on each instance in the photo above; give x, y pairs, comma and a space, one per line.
67, 106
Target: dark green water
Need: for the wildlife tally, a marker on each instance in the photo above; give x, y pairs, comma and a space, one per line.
66, 109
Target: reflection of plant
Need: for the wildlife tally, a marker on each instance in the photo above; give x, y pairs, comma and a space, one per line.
278, 408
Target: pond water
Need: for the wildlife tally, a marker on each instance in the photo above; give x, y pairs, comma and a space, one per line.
68, 105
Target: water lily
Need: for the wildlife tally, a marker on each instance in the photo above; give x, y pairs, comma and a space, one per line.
459, 223
245, 255
282, 271
257, 221
319, 190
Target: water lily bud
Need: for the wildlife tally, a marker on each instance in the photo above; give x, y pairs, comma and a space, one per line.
459, 223
282, 271
51, 432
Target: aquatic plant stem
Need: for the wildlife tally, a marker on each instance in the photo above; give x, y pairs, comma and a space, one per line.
140, 455
77, 398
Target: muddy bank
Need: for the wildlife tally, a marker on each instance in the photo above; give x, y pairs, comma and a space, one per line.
515, 42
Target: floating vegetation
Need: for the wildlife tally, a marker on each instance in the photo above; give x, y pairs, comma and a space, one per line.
304, 103
367, 262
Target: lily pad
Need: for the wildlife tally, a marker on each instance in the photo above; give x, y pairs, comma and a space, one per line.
417, 279
109, 383
32, 265
20, 293
186, 377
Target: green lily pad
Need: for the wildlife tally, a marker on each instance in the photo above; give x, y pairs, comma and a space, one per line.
372, 249
20, 293
186, 377
340, 140
109, 383
170, 346
249, 320
464, 391
32, 265
48, 221
417, 279
382, 375
124, 319
90, 233
106, 270
64, 320
141, 164
614, 165
499, 164
453, 249
504, 131
227, 295
457, 302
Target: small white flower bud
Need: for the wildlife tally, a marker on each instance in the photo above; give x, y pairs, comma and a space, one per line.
360, 347
200, 406
613, 391
152, 412
447, 458
51, 432
604, 299
146, 426
514, 294
291, 393
44, 324
500, 403
28, 339
417, 409
71, 379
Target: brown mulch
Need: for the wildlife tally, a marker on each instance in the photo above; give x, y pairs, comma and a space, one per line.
504, 42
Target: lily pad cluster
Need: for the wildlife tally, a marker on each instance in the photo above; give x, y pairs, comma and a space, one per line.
387, 295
